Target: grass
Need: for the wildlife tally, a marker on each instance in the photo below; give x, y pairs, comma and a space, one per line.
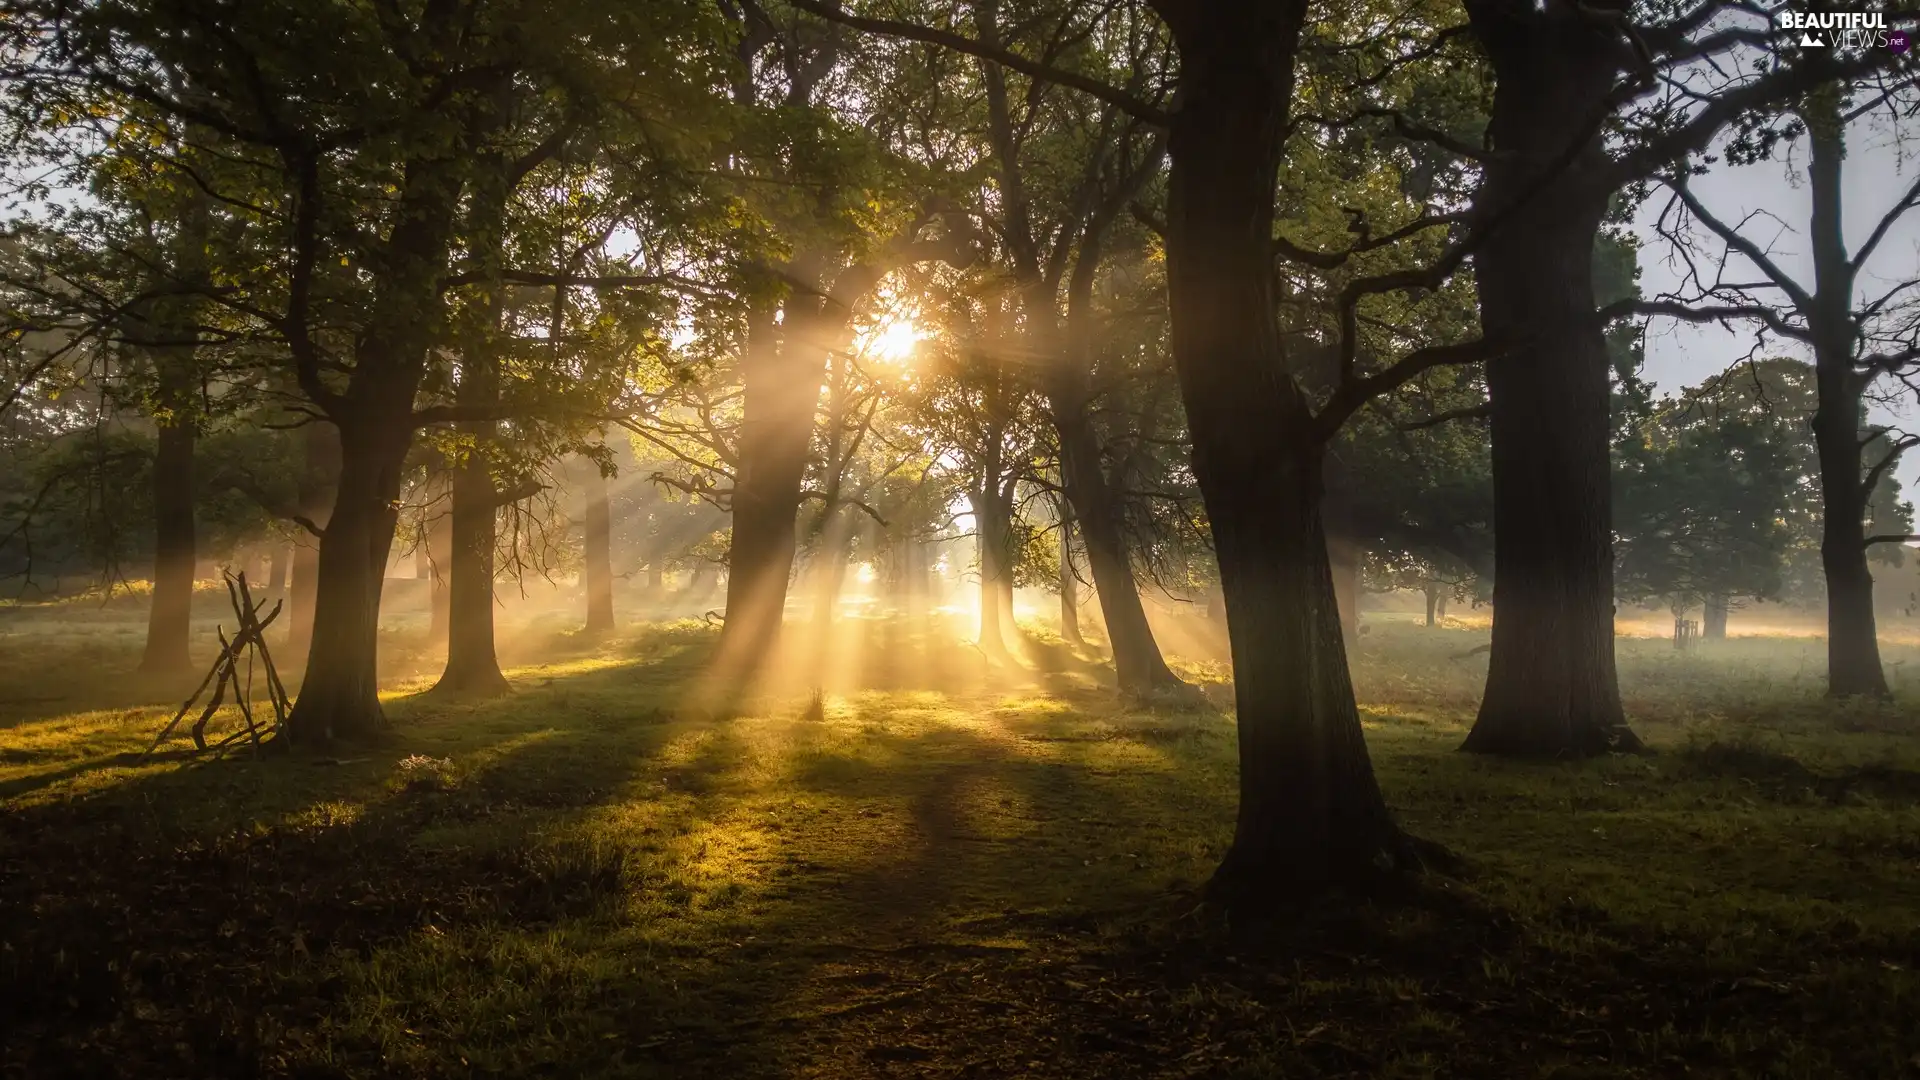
968, 872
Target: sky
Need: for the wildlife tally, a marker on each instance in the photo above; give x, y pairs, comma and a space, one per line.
1881, 164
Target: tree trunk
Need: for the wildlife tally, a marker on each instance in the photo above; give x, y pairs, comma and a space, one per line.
782, 389
319, 484
1440, 606
473, 666
1069, 583
340, 692
1853, 640
1343, 559
1552, 689
169, 620
1137, 661
1713, 625
1433, 604
1311, 813
991, 524
597, 553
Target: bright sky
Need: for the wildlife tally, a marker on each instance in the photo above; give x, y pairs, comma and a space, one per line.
1878, 171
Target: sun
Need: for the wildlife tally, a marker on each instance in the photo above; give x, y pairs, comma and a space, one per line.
895, 341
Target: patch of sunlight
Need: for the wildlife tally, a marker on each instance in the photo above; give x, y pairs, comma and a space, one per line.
85, 734
326, 814
560, 669
738, 849
686, 748
409, 686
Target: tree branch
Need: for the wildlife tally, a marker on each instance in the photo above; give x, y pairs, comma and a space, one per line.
1105, 92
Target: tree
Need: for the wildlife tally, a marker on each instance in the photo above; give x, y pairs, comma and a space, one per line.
1109, 160
1701, 503
1856, 339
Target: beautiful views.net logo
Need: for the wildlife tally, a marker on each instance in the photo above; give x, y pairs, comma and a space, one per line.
1847, 30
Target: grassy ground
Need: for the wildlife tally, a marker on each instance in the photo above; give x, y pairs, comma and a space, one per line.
970, 872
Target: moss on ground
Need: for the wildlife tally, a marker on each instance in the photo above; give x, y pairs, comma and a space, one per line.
970, 872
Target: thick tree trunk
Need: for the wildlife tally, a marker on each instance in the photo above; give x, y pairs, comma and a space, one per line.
1137, 661
1433, 604
782, 389
1343, 558
1713, 625
1311, 813
169, 620
473, 666
340, 693
1343, 550
1853, 640
597, 553
1440, 606
1552, 689
319, 484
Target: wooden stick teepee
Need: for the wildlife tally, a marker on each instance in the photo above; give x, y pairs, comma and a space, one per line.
233, 671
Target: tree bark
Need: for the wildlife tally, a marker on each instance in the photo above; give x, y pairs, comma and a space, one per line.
1343, 559
319, 484
992, 520
597, 552
1713, 624
1433, 604
170, 619
1311, 813
1069, 581
1552, 689
1853, 641
1137, 661
783, 374
473, 665
340, 693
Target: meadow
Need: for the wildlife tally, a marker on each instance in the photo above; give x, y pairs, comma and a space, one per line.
947, 869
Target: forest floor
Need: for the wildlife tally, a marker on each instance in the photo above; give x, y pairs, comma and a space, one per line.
960, 871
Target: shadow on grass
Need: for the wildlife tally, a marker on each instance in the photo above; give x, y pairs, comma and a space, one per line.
1783, 778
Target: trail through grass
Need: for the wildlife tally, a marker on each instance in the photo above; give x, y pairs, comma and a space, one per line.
969, 872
